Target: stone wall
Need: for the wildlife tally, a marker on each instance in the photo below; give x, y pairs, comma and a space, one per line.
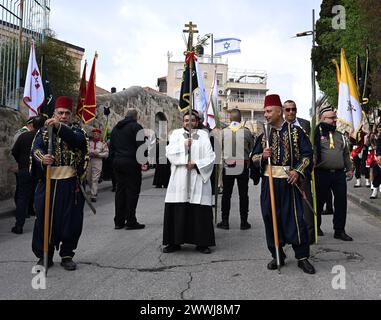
150, 104
10, 121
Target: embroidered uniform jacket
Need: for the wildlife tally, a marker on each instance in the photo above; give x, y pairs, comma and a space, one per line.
290, 147
70, 148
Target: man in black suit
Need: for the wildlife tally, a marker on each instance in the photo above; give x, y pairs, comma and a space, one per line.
290, 111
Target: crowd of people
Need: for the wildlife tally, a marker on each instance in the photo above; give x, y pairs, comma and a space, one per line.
186, 165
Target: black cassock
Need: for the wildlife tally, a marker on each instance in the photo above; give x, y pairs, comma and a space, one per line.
162, 166
291, 150
70, 149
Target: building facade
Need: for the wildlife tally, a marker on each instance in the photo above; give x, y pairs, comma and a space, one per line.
242, 89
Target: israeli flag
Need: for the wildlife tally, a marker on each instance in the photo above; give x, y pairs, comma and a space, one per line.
227, 46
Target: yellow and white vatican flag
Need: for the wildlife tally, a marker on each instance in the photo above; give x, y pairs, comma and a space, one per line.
349, 112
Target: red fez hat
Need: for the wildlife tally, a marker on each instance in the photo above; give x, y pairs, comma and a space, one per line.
272, 100
96, 130
65, 103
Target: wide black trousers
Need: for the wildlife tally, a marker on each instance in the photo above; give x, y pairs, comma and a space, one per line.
289, 211
128, 176
66, 219
243, 188
335, 181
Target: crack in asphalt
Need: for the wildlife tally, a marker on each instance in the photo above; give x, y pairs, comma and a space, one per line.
165, 267
182, 294
350, 256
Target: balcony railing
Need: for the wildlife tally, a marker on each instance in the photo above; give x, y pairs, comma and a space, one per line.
254, 100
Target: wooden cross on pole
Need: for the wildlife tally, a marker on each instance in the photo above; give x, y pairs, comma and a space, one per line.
191, 29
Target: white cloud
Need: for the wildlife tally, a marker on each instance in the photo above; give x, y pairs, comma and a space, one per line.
133, 37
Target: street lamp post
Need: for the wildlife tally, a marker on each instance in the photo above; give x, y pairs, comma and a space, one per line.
313, 76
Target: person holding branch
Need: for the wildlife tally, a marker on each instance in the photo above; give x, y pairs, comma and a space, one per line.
287, 152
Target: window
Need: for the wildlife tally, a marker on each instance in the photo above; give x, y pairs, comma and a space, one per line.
205, 75
179, 73
220, 79
219, 104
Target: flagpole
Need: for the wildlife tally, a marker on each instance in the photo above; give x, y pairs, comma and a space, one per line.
47, 202
218, 126
190, 58
272, 200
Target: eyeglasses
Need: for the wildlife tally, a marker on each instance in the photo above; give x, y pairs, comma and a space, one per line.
290, 109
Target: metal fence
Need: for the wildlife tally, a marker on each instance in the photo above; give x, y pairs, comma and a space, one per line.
20, 22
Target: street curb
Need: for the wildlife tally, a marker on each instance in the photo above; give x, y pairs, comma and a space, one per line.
9, 211
365, 204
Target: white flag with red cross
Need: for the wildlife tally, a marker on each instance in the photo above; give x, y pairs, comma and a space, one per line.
34, 95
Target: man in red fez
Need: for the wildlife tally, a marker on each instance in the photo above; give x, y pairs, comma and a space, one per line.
98, 152
291, 153
68, 161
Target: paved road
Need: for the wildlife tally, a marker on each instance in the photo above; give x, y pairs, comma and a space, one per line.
130, 265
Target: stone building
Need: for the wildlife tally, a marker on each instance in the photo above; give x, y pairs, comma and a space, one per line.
242, 89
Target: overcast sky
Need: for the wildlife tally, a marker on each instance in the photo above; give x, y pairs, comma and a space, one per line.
133, 37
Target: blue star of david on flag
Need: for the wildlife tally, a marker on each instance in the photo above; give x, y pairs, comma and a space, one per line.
227, 46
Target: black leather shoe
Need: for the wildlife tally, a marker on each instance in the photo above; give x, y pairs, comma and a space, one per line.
171, 248
205, 250
68, 264
17, 230
41, 262
320, 233
223, 225
135, 226
306, 266
273, 266
120, 227
342, 236
245, 225
93, 199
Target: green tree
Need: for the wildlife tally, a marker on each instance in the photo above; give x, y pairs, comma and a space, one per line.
60, 67
362, 29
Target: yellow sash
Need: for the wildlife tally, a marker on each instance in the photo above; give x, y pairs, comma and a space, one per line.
278, 172
61, 173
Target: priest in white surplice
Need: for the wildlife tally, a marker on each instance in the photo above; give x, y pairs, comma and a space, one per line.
188, 216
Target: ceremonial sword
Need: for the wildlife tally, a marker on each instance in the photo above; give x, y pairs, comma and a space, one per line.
303, 194
87, 199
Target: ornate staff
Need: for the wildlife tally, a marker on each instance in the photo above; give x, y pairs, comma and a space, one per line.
190, 58
272, 197
47, 201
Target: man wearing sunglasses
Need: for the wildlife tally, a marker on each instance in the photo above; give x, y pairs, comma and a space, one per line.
289, 112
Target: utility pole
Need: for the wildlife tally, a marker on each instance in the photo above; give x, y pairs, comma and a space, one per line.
313, 65
313, 76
